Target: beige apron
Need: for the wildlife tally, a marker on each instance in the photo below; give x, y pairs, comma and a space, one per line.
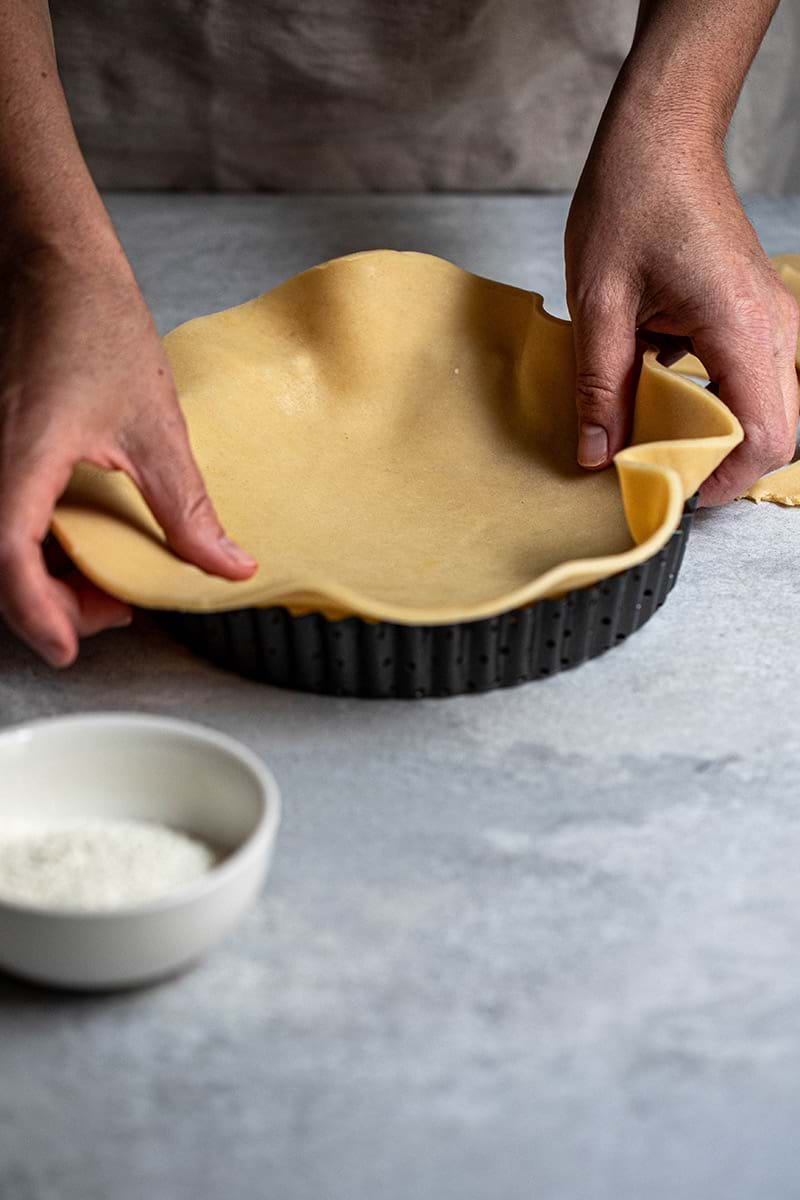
376, 94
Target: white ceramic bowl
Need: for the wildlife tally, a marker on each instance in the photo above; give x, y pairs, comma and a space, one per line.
129, 766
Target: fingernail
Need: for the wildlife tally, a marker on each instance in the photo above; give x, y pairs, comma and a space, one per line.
592, 445
236, 553
122, 622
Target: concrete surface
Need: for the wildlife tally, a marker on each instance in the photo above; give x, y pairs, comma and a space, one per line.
536, 945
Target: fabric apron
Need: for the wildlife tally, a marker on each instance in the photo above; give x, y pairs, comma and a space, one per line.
397, 95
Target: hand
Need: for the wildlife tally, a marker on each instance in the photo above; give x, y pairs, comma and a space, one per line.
656, 238
83, 376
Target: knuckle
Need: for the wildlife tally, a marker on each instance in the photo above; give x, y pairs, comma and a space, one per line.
600, 302
789, 311
171, 421
750, 314
196, 508
157, 435
720, 487
772, 444
783, 449
596, 395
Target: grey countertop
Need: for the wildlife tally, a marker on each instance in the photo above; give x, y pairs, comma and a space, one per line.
542, 944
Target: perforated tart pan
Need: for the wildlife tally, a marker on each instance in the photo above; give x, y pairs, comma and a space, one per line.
352, 657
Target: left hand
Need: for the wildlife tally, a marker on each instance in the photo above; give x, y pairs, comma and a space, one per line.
657, 238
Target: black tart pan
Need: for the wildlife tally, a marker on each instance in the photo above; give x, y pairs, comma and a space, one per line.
353, 657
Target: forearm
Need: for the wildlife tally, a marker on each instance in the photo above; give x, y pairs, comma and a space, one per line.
686, 67
46, 192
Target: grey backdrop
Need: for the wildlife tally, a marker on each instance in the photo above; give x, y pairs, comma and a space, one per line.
362, 94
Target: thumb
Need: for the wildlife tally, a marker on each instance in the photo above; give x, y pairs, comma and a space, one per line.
605, 362
164, 470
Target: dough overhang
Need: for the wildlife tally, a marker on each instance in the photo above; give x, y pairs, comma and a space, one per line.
393, 437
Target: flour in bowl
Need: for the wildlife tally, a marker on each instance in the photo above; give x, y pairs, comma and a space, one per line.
95, 865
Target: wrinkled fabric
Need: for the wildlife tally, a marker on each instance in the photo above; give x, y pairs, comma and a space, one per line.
361, 94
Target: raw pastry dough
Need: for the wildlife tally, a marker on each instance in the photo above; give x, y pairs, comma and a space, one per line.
781, 487
393, 437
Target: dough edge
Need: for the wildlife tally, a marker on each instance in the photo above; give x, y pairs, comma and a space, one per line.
670, 470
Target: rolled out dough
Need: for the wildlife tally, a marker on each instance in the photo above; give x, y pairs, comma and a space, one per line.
393, 437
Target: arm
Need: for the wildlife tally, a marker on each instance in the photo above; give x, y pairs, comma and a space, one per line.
45, 189
656, 237
82, 372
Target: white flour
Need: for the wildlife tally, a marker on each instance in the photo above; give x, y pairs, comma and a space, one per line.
97, 864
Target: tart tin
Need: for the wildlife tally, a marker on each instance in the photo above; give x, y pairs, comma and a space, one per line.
353, 657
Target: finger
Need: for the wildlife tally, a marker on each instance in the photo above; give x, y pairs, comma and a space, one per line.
34, 604
164, 470
32, 607
30, 601
606, 363
90, 609
758, 382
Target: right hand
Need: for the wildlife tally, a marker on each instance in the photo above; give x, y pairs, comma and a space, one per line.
83, 377
684, 260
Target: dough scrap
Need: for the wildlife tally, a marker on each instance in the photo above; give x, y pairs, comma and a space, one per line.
393, 437
781, 487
